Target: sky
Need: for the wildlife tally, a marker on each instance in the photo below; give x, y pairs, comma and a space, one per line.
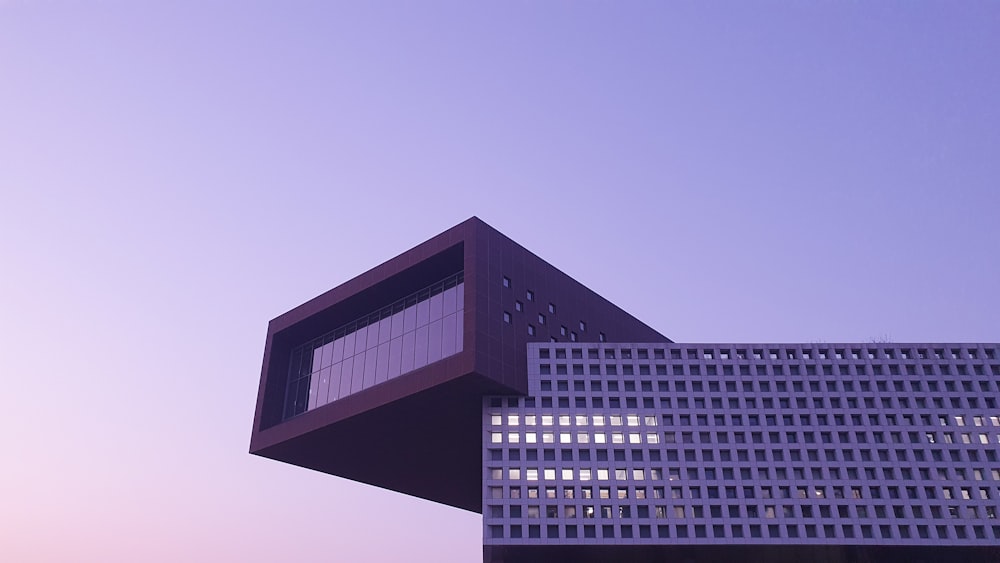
173, 175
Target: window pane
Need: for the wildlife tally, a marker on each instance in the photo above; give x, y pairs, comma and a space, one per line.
448, 335
407, 353
349, 344
384, 329
423, 313
317, 358
420, 347
338, 351
436, 307
434, 341
395, 355
357, 372
370, 358
397, 325
345, 377
449, 301
382, 363
360, 338
409, 319
313, 389
324, 387
334, 392
327, 355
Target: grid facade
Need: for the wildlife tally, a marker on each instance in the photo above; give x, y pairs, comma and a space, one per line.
743, 444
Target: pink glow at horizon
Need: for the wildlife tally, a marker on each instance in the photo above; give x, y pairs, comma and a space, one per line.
175, 174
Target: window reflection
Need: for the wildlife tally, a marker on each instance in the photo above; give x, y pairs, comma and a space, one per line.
411, 333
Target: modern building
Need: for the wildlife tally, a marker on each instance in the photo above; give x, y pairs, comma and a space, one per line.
470, 372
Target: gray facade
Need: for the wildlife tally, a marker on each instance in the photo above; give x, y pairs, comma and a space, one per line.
746, 444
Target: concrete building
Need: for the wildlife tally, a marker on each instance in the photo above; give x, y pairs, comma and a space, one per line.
763, 452
498, 384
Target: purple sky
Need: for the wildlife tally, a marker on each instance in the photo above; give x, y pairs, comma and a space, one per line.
175, 174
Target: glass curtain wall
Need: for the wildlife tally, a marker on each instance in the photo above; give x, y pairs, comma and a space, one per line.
415, 331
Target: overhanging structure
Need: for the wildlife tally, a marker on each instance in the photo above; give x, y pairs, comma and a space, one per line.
470, 372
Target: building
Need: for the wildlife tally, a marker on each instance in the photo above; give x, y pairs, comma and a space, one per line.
769, 452
581, 434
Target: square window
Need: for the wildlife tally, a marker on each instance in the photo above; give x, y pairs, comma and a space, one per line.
518, 306
529, 295
531, 330
506, 281
506, 317
552, 308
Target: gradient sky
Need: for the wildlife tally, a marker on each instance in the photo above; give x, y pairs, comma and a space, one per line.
175, 174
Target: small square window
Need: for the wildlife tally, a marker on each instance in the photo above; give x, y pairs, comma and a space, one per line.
529, 295
562, 331
601, 337
518, 306
506, 281
583, 326
531, 330
506, 317
541, 319
552, 308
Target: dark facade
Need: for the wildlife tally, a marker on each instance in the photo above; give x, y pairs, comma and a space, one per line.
470, 372
490, 298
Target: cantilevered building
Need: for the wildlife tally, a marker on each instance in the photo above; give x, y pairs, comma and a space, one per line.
498, 384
